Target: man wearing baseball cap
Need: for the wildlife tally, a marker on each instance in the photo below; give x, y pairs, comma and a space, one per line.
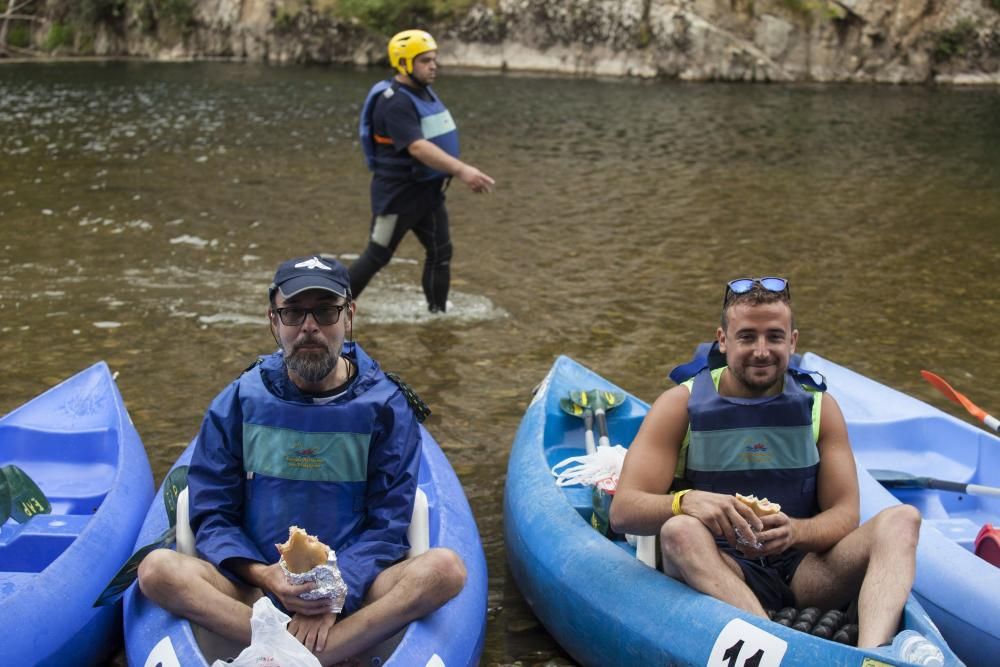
313, 435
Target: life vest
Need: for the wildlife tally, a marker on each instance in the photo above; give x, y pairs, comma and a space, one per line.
761, 446
436, 123
306, 464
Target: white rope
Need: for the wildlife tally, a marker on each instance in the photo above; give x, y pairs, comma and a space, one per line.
591, 469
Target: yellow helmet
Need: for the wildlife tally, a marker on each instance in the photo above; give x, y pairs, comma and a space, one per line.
407, 45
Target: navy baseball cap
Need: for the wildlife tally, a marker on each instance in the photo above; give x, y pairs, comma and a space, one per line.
315, 272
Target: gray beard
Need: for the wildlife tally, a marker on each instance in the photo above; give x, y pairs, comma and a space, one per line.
311, 366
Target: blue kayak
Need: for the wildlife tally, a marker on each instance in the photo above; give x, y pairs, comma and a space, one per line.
603, 605
452, 636
891, 431
77, 442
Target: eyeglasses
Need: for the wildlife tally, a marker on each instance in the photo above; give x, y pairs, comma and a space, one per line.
324, 315
744, 285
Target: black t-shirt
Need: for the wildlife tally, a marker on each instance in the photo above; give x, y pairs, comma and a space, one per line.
397, 117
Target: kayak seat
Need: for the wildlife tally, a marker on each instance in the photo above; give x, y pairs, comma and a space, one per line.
960, 530
75, 471
214, 647
32, 546
913, 445
418, 534
645, 549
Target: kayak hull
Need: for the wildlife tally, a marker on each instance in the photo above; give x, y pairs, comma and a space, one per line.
600, 603
893, 431
77, 442
453, 635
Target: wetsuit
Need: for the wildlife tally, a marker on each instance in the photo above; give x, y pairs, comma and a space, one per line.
405, 195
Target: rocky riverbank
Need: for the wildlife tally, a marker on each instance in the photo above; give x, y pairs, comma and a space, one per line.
891, 41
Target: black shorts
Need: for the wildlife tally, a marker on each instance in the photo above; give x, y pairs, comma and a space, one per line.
769, 578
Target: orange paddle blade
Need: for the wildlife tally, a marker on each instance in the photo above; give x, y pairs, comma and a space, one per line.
948, 391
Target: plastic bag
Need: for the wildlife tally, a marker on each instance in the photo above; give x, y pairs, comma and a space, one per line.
271, 643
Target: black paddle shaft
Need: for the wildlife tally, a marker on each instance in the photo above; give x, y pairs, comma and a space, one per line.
944, 485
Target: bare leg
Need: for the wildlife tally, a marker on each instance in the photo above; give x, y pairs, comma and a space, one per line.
876, 562
691, 555
192, 588
402, 593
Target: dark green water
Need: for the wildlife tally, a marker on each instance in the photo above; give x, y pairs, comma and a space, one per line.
143, 208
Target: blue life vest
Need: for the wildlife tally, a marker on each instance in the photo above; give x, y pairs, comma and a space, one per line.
436, 123
761, 446
306, 464
344, 469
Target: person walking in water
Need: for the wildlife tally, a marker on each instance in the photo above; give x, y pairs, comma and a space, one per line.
410, 143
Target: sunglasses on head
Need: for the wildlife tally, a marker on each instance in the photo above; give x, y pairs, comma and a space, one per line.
744, 285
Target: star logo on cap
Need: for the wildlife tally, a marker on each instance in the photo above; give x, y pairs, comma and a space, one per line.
313, 263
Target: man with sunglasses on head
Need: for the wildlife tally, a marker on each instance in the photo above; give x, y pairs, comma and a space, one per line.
410, 143
744, 420
317, 436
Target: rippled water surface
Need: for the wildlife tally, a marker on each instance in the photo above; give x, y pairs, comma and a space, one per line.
143, 208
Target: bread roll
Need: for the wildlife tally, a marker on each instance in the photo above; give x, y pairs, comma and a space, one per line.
302, 552
760, 506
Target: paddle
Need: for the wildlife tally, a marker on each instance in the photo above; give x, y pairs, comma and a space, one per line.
600, 401
20, 497
901, 480
571, 408
974, 410
175, 482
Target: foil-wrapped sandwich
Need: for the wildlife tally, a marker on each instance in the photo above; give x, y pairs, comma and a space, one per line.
303, 559
760, 507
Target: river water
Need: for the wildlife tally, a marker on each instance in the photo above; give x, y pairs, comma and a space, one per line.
143, 208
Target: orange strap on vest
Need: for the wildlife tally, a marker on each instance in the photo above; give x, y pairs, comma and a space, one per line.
379, 139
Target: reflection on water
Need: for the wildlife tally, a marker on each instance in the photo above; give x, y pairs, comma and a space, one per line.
143, 209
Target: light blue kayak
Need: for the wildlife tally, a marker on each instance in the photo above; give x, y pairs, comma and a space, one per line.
450, 637
603, 605
892, 431
77, 442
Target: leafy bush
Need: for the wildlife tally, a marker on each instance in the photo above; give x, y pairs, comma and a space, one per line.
955, 41
19, 36
390, 16
59, 35
89, 12
178, 14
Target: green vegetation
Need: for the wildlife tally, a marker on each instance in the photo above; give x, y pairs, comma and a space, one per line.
19, 36
390, 16
956, 41
59, 35
386, 17
90, 12
813, 9
995, 4
156, 14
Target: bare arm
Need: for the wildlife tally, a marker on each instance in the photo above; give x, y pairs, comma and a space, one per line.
434, 157
837, 490
640, 505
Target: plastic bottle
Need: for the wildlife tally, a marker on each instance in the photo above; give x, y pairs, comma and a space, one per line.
915, 649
